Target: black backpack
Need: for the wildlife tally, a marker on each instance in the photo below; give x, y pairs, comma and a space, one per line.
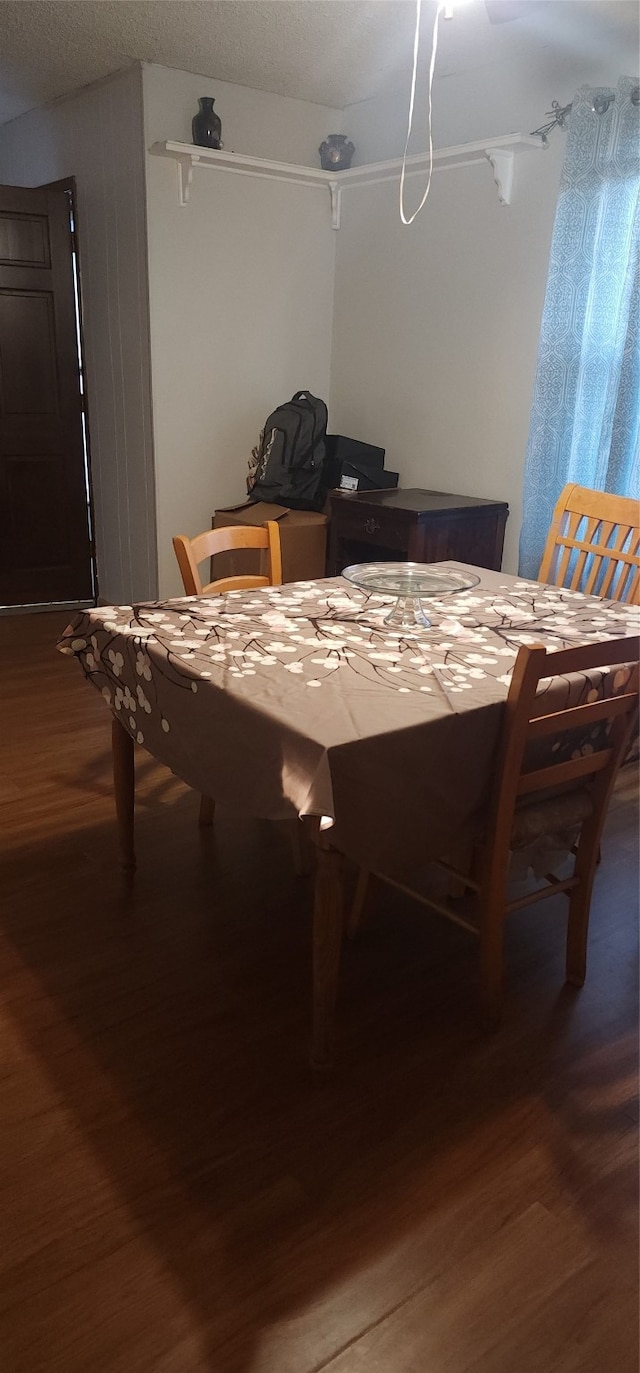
291, 455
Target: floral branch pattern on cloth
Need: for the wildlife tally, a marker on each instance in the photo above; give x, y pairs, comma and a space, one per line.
306, 685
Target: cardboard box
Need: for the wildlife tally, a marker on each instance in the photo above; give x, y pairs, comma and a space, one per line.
303, 538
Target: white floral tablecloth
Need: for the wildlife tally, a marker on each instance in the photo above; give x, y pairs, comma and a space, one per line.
299, 700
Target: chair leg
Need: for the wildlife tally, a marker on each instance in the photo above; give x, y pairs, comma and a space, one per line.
207, 811
587, 859
578, 932
354, 919
492, 962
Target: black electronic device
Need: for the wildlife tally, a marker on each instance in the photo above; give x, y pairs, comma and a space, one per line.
341, 451
354, 477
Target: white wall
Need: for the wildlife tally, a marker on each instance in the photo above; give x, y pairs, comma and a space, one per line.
436, 325
436, 328
97, 136
241, 295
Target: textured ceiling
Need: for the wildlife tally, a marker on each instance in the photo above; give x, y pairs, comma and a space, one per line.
334, 52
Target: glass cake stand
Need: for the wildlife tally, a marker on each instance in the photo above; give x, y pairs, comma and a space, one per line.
410, 583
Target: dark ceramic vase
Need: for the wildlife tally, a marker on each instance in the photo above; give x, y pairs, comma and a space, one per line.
206, 125
336, 153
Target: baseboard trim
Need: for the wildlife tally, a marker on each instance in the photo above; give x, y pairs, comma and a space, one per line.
43, 606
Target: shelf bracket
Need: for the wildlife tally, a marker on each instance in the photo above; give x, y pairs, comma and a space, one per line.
336, 197
185, 177
502, 162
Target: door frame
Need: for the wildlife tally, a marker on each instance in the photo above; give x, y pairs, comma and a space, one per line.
69, 186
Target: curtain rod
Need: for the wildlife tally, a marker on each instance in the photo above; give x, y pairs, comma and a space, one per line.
558, 114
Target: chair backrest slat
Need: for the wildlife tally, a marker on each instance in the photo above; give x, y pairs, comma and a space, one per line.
599, 560
558, 774
191, 552
605, 653
589, 552
240, 583
618, 561
593, 544
578, 717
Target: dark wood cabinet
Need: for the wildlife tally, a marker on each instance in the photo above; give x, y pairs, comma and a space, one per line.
416, 526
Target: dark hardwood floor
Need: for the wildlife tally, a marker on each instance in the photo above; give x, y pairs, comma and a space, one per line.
177, 1195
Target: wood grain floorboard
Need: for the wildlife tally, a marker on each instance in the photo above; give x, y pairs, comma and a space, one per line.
177, 1195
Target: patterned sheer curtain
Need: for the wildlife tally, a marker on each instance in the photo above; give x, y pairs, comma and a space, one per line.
585, 421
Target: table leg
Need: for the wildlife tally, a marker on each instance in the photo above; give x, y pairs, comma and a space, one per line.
302, 848
328, 920
207, 812
124, 788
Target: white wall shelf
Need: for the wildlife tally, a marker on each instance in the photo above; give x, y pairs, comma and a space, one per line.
500, 153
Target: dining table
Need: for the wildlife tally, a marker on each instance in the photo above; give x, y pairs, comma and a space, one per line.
301, 702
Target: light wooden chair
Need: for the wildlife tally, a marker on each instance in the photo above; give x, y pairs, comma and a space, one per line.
593, 544
191, 552
533, 796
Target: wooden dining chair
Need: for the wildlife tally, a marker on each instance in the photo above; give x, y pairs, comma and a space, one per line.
593, 544
192, 552
546, 780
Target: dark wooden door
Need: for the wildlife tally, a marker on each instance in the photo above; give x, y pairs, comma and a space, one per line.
45, 539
